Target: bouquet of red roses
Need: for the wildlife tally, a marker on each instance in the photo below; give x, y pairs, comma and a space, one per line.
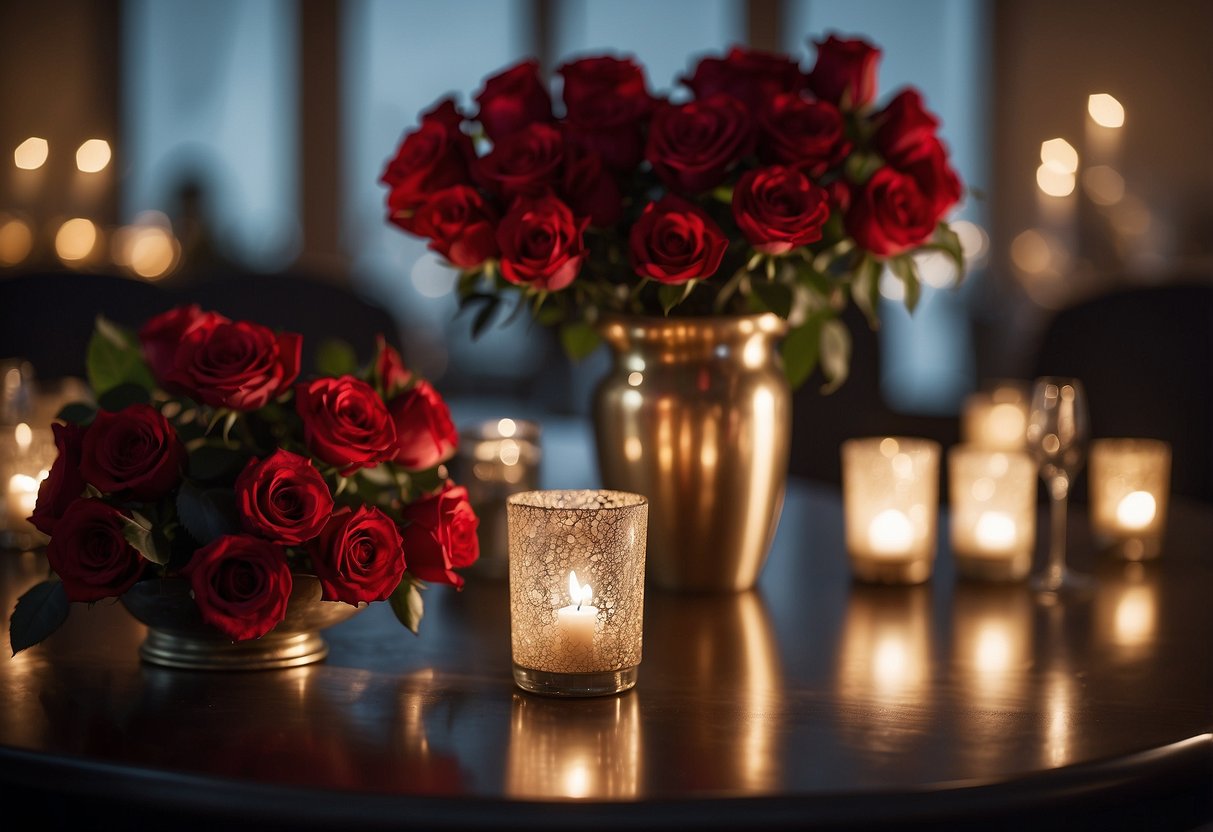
205, 456
758, 187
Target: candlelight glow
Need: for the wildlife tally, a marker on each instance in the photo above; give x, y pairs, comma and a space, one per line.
1104, 185
93, 156
890, 532
1054, 182
995, 530
581, 595
1059, 155
1031, 252
152, 253
1105, 110
23, 436
31, 154
1136, 510
75, 239
507, 427
16, 241
509, 452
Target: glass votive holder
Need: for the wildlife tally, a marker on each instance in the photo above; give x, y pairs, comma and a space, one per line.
576, 590
496, 458
26, 456
993, 512
996, 418
1129, 487
890, 500
16, 390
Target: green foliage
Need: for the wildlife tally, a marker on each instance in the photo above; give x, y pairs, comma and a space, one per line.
835, 354
39, 612
407, 603
335, 357
212, 461
579, 339
207, 515
114, 358
123, 396
77, 413
801, 348
907, 272
143, 536
865, 289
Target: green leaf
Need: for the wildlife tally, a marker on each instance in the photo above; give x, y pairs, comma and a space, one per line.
907, 273
801, 349
77, 413
723, 193
865, 289
217, 462
123, 396
138, 532
774, 297
579, 339
39, 612
407, 603
947, 241
114, 358
335, 357
207, 515
485, 317
861, 166
670, 295
835, 354
814, 280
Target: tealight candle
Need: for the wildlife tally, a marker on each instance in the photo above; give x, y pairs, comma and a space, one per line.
993, 512
576, 590
26, 455
891, 498
996, 419
1129, 485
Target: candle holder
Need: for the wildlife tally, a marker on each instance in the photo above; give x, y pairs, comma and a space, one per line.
996, 418
1129, 490
891, 499
576, 590
993, 502
495, 459
26, 456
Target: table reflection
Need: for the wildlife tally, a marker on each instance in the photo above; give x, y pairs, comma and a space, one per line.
723, 649
561, 748
1126, 608
886, 645
992, 641
1060, 694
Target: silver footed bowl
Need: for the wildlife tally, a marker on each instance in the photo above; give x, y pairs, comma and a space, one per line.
178, 637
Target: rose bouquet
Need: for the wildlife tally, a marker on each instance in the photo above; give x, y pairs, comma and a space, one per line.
758, 187
207, 458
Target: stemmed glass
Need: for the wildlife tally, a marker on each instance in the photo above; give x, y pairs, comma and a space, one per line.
1057, 437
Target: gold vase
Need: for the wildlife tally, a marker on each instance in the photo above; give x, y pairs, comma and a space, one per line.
695, 414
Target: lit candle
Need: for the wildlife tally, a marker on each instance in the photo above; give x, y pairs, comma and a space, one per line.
1129, 488
890, 500
997, 420
25, 459
576, 625
993, 512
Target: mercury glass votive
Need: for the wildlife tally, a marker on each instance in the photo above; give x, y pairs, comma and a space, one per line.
890, 500
993, 512
576, 590
26, 456
496, 458
996, 418
1129, 488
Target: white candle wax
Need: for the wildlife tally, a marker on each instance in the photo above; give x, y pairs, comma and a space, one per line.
577, 625
995, 532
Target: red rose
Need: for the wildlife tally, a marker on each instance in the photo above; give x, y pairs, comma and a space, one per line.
162, 335
524, 163
432, 157
778, 209
541, 244
607, 102
693, 147
64, 484
935, 177
238, 365
89, 553
241, 585
345, 423
804, 133
460, 226
750, 76
845, 73
590, 190
423, 427
440, 536
675, 241
890, 215
134, 451
903, 127
840, 197
388, 372
512, 100
358, 556
283, 498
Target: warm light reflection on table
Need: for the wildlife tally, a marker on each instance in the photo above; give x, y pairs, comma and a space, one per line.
885, 645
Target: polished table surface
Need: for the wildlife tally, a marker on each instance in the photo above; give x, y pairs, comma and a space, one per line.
811, 700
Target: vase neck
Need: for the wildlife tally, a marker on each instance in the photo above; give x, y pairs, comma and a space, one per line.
692, 339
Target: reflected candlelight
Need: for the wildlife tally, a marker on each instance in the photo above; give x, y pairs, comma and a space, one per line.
885, 648
1126, 609
992, 646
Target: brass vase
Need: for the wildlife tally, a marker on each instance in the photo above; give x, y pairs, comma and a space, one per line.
695, 414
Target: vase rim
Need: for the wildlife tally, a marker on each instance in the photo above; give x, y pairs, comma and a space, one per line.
757, 322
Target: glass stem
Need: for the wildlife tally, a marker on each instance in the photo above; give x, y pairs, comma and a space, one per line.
1059, 491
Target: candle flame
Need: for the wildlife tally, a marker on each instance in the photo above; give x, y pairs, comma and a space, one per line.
581, 594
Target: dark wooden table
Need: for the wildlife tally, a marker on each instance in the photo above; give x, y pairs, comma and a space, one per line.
809, 702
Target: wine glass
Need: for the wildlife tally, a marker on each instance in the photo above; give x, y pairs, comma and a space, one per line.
1057, 437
